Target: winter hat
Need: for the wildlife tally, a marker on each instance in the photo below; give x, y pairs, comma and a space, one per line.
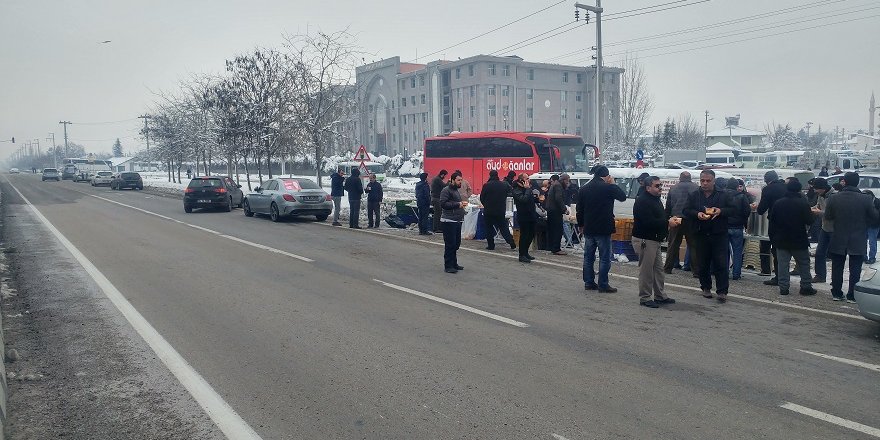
851, 179
493, 175
794, 186
770, 176
600, 171
423, 176
821, 183
643, 176
511, 175
732, 184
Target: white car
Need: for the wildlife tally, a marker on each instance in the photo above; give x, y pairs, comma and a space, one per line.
14, 171
867, 293
102, 178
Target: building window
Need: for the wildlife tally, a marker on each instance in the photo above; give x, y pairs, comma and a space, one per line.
473, 90
565, 77
413, 119
505, 110
564, 114
472, 129
745, 140
492, 127
505, 70
412, 82
425, 117
405, 137
394, 122
492, 110
423, 98
422, 80
371, 123
371, 108
412, 99
458, 73
458, 111
393, 137
580, 78
492, 69
563, 96
491, 90
471, 70
458, 94
414, 137
564, 130
404, 119
578, 97
531, 74
392, 104
505, 91
530, 113
577, 131
577, 114
403, 102
473, 111
530, 93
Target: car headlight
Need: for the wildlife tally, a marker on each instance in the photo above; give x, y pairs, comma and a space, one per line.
868, 272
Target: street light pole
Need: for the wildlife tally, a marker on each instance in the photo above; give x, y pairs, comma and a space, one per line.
54, 151
598, 11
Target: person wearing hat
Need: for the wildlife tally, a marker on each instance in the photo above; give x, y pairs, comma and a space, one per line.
494, 199
790, 237
772, 192
423, 202
595, 216
641, 181
556, 207
736, 224
855, 210
824, 192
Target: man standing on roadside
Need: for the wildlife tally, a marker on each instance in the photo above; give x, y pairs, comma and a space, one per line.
676, 200
437, 184
337, 181
851, 211
466, 189
736, 223
770, 194
649, 229
452, 216
355, 188
791, 238
556, 207
824, 192
708, 210
595, 216
493, 196
423, 203
374, 201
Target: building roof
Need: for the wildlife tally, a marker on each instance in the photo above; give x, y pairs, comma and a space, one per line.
734, 130
116, 161
410, 67
718, 147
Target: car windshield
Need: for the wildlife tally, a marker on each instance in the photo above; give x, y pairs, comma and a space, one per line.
50, 170
133, 175
298, 184
105, 173
205, 183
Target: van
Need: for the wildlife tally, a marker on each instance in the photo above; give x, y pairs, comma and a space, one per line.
372, 167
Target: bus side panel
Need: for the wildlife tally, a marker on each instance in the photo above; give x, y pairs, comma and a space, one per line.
479, 175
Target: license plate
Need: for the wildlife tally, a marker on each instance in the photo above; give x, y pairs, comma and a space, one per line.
204, 201
310, 198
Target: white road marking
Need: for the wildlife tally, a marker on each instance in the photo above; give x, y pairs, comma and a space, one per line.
831, 419
223, 415
454, 304
558, 437
843, 360
210, 231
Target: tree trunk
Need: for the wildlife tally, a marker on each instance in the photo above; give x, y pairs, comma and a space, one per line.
168, 168
269, 161
247, 171
205, 163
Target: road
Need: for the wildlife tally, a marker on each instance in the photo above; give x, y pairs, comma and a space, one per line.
310, 331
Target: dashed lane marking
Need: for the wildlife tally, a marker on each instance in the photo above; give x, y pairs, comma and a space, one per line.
865, 429
865, 365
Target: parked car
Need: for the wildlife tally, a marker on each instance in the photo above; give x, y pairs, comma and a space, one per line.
14, 171
291, 197
212, 192
51, 174
102, 178
866, 181
69, 172
867, 293
127, 180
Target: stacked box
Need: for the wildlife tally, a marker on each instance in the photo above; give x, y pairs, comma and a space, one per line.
623, 229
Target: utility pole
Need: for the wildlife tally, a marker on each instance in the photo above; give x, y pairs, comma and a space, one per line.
598, 11
66, 154
706, 130
147, 137
39, 153
54, 152
808, 135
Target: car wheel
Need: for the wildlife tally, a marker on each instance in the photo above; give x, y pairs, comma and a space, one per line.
187, 209
247, 209
228, 206
274, 214
322, 217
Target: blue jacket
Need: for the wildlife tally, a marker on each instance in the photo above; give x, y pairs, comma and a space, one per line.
423, 193
374, 192
336, 185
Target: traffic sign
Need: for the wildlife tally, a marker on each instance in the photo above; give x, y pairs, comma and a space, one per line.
362, 155
365, 172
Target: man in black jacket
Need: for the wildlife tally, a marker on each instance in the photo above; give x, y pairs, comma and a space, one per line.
355, 188
774, 191
595, 216
649, 229
423, 202
374, 201
494, 199
452, 207
708, 210
337, 181
852, 212
556, 207
735, 225
437, 185
790, 237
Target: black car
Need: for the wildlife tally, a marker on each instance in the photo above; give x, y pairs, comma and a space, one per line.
127, 180
212, 192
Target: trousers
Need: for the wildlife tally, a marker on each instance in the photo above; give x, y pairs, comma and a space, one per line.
496, 222
651, 276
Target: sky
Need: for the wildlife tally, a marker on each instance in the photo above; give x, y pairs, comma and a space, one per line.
53, 66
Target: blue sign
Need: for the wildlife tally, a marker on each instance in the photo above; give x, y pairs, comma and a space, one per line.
640, 154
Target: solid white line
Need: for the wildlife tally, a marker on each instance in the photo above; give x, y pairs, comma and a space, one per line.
129, 206
843, 360
268, 248
831, 419
223, 415
558, 437
454, 304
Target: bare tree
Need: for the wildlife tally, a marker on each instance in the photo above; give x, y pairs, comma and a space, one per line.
690, 132
636, 103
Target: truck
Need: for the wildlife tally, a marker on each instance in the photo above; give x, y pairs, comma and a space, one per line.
672, 157
82, 169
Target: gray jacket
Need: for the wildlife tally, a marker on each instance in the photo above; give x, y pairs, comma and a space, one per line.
450, 202
855, 210
677, 198
822, 203
556, 198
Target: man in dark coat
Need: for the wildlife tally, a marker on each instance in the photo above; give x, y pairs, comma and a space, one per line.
337, 182
773, 191
510, 179
641, 182
556, 207
494, 199
355, 188
736, 223
851, 211
708, 210
423, 203
437, 185
791, 238
452, 207
595, 216
525, 199
676, 199
650, 226
374, 201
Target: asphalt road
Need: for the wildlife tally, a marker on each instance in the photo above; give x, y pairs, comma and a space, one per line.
310, 331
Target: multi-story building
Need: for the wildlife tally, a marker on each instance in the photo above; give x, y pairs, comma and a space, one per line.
401, 104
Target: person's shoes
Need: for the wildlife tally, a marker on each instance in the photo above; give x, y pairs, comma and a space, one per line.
686, 269
772, 282
337, 224
722, 298
559, 253
817, 279
765, 274
524, 259
851, 299
783, 291
512, 245
370, 225
591, 287
530, 257
649, 304
871, 261
608, 289
707, 294
451, 270
794, 272
459, 267
491, 248
735, 278
666, 300
667, 271
695, 275
836, 298
806, 291
677, 266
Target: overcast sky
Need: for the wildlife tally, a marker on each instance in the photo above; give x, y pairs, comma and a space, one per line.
53, 68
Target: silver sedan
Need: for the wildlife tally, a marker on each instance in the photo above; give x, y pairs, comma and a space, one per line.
288, 197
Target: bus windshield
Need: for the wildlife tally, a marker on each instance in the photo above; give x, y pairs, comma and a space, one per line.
571, 154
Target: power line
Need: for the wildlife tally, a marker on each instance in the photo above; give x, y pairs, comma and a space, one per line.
542, 34
659, 10
646, 7
104, 122
495, 29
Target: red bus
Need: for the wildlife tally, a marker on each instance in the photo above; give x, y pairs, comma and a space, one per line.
475, 154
